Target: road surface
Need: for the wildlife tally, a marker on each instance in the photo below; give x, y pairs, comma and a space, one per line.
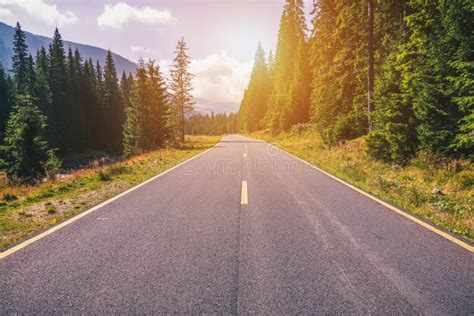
191, 241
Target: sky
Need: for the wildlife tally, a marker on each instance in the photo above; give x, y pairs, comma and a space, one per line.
222, 35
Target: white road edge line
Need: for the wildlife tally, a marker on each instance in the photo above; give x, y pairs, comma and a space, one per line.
98, 206
391, 207
244, 199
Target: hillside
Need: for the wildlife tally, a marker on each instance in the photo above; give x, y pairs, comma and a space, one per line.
36, 41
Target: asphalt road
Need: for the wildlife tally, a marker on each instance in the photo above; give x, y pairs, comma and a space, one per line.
184, 243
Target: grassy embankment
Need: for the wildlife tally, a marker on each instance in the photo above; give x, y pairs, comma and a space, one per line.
441, 191
27, 210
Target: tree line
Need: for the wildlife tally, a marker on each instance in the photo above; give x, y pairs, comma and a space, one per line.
211, 124
57, 102
423, 78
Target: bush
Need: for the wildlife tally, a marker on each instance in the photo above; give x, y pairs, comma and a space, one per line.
346, 127
301, 128
117, 169
50, 209
390, 144
8, 197
53, 166
376, 146
103, 175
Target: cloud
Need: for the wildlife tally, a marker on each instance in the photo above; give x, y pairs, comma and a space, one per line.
220, 77
217, 77
115, 16
139, 51
39, 10
4, 13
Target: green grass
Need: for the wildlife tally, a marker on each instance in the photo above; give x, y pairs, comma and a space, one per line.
26, 210
440, 190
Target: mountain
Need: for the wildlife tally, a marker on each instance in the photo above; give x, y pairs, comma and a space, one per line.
36, 41
206, 106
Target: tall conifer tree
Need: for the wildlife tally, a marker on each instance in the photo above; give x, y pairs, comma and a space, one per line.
289, 102
5, 99
20, 61
25, 151
181, 87
255, 102
43, 92
57, 83
112, 104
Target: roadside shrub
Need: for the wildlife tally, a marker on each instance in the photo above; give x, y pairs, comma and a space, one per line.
301, 128
8, 197
465, 182
376, 146
53, 165
390, 144
103, 175
427, 161
50, 209
116, 169
345, 128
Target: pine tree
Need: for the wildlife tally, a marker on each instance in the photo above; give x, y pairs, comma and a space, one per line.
441, 46
425, 92
458, 18
147, 124
24, 155
5, 99
214, 124
133, 131
57, 82
74, 106
339, 62
99, 80
270, 62
126, 87
91, 105
112, 104
255, 102
157, 129
20, 61
181, 87
80, 106
43, 92
288, 105
30, 86
300, 88
393, 137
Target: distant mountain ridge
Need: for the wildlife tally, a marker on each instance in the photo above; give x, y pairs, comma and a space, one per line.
206, 106
35, 42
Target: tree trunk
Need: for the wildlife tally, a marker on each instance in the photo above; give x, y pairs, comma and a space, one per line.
182, 122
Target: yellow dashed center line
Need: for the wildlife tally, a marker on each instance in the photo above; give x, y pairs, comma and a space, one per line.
244, 200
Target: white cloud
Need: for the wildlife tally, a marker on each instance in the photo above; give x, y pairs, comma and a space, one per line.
139, 51
220, 77
4, 13
39, 10
115, 16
